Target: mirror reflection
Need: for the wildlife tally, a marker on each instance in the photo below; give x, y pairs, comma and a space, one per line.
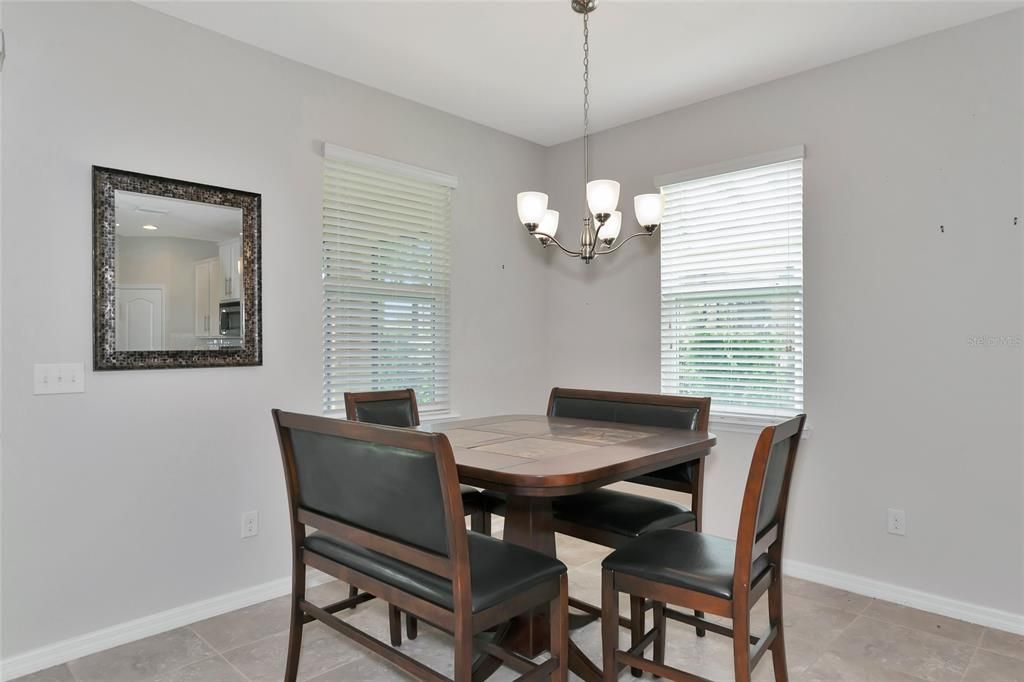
178, 274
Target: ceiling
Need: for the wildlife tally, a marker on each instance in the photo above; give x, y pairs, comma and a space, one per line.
174, 218
516, 65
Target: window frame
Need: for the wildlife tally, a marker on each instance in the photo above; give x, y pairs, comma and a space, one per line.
724, 418
400, 171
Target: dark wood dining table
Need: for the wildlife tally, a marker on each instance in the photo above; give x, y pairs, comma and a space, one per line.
535, 458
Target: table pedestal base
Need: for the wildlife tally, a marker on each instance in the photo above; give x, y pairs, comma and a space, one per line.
529, 523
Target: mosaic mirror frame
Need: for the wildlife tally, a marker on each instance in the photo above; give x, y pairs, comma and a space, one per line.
106, 181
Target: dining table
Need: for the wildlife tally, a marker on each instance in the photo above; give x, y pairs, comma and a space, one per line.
531, 459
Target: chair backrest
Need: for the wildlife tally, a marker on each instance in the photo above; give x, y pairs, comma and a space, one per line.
391, 490
763, 513
643, 409
390, 408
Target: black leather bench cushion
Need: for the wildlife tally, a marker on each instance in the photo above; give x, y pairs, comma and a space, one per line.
694, 561
498, 570
473, 500
677, 473
620, 513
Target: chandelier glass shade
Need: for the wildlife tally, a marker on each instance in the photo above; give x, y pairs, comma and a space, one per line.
603, 222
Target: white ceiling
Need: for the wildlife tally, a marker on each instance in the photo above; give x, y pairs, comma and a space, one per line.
516, 65
174, 218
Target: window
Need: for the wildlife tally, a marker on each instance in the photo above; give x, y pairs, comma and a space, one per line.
386, 273
732, 285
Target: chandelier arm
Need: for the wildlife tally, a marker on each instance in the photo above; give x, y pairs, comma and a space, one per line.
617, 246
574, 254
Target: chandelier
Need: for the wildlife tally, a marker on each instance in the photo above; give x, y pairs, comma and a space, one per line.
602, 225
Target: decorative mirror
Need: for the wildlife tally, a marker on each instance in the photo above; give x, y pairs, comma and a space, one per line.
176, 273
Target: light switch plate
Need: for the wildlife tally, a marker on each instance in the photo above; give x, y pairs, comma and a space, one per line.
68, 377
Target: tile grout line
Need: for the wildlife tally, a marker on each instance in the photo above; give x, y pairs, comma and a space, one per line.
255, 641
969, 662
935, 638
930, 633
235, 668
860, 616
218, 654
162, 672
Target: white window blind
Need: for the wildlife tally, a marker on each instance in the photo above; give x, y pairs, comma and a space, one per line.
386, 273
732, 289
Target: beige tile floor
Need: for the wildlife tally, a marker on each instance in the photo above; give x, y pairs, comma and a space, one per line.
832, 636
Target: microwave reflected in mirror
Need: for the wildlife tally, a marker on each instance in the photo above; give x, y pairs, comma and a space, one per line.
178, 274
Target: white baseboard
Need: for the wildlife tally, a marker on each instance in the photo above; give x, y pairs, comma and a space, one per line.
147, 626
925, 601
90, 643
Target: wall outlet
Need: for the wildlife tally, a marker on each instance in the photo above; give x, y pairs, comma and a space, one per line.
897, 522
250, 524
68, 377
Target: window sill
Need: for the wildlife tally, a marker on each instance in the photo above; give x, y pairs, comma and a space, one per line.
440, 417
747, 423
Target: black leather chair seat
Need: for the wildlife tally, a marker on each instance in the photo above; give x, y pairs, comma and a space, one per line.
498, 570
694, 561
620, 513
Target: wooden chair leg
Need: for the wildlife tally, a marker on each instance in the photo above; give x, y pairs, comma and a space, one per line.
558, 618
463, 652
291, 671
741, 646
480, 522
637, 620
412, 626
395, 623
352, 591
775, 619
660, 624
609, 625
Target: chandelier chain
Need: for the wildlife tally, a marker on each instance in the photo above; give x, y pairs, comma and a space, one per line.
586, 97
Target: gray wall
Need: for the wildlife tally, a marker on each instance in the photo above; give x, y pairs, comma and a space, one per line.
127, 500
905, 412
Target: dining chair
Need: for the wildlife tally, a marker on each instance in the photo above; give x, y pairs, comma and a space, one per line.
398, 408
719, 576
387, 512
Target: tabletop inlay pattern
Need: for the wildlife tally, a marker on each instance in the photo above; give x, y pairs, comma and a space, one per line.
522, 427
535, 448
599, 436
467, 438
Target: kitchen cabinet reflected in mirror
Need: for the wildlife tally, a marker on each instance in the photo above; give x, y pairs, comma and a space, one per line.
178, 274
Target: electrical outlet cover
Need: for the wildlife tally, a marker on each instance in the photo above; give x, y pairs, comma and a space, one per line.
897, 522
250, 524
